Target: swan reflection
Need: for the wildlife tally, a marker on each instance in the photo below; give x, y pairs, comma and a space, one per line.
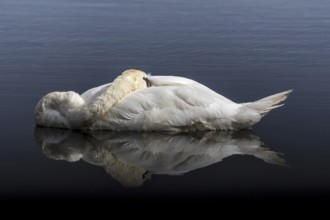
131, 157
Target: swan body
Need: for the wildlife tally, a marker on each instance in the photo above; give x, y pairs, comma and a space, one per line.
137, 102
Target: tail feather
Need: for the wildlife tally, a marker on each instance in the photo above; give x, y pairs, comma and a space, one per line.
263, 106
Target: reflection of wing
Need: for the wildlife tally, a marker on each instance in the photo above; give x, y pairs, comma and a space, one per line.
127, 156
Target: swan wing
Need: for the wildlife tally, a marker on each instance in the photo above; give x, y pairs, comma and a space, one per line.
169, 81
182, 81
186, 107
91, 94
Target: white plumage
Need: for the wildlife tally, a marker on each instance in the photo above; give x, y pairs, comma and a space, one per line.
170, 103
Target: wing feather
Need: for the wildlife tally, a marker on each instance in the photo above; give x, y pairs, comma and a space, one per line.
168, 108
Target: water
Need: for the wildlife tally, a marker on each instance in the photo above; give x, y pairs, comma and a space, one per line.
244, 50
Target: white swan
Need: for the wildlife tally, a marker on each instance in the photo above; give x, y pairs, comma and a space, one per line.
138, 102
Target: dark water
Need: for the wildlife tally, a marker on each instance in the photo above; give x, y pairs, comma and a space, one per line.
244, 50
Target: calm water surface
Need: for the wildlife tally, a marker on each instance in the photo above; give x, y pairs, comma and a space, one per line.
244, 50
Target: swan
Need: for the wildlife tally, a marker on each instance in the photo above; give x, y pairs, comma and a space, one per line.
136, 101
133, 157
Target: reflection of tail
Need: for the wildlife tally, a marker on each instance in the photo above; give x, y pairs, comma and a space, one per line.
250, 144
270, 156
263, 106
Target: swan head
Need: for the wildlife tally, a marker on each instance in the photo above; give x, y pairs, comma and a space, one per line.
52, 109
136, 78
69, 110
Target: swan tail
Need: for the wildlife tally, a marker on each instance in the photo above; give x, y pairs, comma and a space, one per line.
265, 105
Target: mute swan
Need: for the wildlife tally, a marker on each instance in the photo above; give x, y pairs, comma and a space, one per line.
136, 101
131, 157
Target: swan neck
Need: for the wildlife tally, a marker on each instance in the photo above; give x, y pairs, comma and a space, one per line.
120, 88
